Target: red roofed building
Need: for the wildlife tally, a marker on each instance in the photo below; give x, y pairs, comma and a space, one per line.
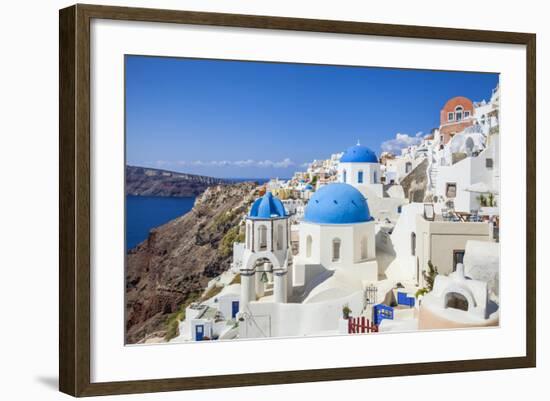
456, 115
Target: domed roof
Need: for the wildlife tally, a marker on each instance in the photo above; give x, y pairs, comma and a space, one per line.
337, 203
452, 103
266, 207
359, 154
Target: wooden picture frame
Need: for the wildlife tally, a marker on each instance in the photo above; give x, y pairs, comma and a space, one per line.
74, 199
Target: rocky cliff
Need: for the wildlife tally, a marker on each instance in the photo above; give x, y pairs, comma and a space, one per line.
146, 181
177, 259
416, 182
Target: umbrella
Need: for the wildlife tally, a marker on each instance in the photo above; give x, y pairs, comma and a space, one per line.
482, 188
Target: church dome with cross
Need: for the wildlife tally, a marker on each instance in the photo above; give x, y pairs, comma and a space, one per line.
267, 207
359, 154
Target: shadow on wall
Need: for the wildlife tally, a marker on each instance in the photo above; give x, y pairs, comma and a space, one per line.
315, 275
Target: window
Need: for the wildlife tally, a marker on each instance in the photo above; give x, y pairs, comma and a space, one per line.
458, 257
375, 177
336, 243
309, 244
466, 114
345, 176
408, 167
483, 119
280, 237
450, 116
262, 232
489, 163
458, 113
429, 213
450, 191
413, 244
360, 177
248, 236
364, 248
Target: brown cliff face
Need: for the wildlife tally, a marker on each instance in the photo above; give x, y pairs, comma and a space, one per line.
145, 181
179, 257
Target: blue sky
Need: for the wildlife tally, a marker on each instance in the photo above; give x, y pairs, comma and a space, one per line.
257, 120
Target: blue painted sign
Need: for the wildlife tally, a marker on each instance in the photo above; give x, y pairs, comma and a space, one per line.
382, 312
404, 299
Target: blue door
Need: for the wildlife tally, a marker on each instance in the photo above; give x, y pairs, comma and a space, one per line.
234, 309
199, 332
382, 312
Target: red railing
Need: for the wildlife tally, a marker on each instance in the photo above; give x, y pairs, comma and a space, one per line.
361, 325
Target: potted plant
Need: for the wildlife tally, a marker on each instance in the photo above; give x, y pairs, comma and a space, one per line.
346, 311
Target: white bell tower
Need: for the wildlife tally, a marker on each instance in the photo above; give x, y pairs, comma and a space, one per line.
265, 259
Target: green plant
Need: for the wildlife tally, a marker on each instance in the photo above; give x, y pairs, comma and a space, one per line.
491, 201
429, 279
430, 275
482, 200
346, 311
233, 235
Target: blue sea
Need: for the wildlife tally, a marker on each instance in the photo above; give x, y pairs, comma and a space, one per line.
146, 212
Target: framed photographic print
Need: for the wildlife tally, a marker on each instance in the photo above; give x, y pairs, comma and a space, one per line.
280, 200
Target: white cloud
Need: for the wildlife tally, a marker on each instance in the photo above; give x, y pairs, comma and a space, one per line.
229, 163
401, 141
280, 164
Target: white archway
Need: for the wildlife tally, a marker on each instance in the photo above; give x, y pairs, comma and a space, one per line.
462, 291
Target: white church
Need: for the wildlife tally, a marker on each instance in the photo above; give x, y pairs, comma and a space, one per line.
285, 295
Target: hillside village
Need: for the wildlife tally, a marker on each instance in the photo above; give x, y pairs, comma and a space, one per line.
359, 243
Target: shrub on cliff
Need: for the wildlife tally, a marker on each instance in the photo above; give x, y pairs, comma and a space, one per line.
232, 236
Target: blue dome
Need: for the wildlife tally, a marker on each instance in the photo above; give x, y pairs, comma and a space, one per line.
337, 203
267, 207
359, 154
